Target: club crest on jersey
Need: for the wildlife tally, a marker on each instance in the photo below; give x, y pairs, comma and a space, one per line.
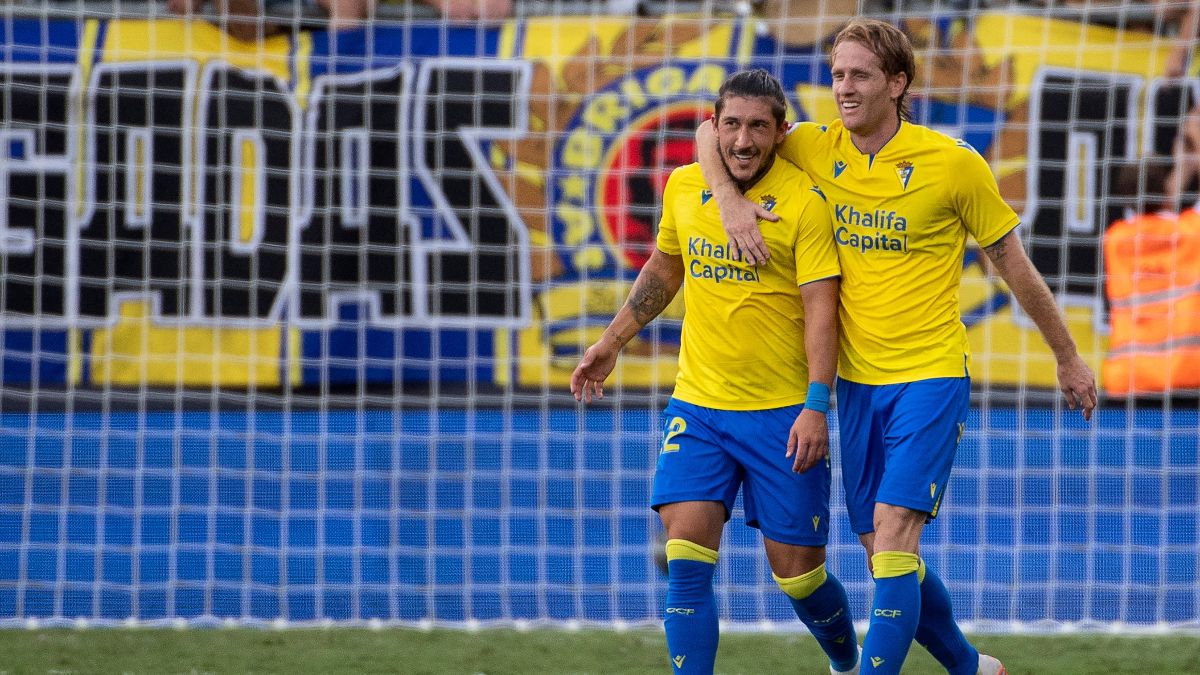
838, 167
705, 195
768, 202
904, 170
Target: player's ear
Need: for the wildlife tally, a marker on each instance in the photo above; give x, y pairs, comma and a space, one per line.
897, 84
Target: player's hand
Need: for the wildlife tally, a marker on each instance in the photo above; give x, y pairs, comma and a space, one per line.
588, 379
740, 217
1078, 384
808, 442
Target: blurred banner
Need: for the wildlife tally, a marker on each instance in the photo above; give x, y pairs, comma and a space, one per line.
425, 203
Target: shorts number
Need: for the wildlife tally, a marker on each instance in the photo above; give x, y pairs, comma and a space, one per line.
676, 427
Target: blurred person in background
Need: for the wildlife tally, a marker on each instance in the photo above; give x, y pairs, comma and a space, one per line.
1151, 281
1184, 16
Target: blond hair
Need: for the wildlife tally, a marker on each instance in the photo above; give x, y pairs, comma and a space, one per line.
890, 45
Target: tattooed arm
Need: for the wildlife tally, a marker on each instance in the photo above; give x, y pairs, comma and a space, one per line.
654, 289
1075, 378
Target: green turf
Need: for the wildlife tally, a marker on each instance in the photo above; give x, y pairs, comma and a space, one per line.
534, 653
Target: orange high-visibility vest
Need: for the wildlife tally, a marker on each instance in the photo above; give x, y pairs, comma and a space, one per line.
1152, 274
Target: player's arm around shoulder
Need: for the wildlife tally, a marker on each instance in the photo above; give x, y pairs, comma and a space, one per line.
739, 215
797, 144
655, 287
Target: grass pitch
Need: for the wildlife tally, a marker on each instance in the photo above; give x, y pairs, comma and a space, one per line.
543, 652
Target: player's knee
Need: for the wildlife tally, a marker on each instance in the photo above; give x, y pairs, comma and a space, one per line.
682, 549
897, 528
699, 522
802, 585
789, 561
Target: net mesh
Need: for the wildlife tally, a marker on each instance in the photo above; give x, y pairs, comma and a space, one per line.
286, 322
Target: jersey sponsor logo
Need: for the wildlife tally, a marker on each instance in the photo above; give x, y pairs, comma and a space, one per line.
838, 167
904, 170
700, 248
684, 611
718, 273
887, 613
891, 222
877, 219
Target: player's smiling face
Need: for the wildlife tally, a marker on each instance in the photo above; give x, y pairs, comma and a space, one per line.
748, 133
866, 96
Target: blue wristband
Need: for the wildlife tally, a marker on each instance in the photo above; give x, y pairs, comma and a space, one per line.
818, 397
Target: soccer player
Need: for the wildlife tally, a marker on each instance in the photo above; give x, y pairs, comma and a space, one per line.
740, 417
903, 199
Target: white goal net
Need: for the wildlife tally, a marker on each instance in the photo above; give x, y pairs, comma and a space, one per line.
286, 322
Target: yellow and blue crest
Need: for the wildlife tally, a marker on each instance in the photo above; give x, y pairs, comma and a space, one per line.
904, 170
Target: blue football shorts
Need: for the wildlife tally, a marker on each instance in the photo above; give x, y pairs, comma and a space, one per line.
707, 454
898, 443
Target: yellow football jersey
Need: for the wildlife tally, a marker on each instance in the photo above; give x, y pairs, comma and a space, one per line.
742, 346
900, 221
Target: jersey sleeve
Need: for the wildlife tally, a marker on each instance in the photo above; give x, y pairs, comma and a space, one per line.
668, 235
796, 143
974, 192
816, 255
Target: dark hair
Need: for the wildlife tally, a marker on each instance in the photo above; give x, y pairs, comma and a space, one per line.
891, 46
756, 83
1142, 186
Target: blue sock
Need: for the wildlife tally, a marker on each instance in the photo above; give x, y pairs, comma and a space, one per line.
691, 612
820, 602
895, 613
937, 630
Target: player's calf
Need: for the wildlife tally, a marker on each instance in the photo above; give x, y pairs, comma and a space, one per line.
895, 612
690, 618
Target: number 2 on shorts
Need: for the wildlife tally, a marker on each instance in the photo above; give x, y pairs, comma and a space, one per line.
677, 426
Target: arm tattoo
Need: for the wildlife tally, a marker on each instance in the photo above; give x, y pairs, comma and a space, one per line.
998, 250
648, 299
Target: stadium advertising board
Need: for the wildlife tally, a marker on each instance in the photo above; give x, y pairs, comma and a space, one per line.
452, 204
